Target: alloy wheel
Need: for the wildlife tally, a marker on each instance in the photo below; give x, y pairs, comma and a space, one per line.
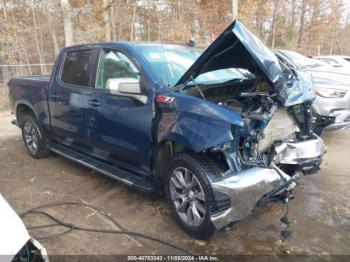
30, 137
188, 196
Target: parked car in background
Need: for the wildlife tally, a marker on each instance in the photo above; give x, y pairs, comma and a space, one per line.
15, 242
341, 63
216, 140
332, 104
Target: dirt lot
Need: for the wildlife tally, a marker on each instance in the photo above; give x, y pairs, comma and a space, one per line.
321, 208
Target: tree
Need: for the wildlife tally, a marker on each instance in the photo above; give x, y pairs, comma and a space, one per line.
33, 31
67, 22
234, 9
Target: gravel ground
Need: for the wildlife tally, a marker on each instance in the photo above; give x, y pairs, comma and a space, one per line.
321, 209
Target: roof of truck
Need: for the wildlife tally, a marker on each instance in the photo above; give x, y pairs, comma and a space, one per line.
125, 44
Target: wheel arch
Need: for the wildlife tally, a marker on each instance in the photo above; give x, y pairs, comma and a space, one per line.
166, 150
23, 108
163, 154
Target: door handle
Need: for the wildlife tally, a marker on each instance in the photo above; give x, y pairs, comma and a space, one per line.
55, 96
94, 102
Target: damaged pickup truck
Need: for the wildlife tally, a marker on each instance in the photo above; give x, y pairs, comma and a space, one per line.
218, 132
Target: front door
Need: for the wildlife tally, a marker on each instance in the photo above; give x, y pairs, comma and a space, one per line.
67, 98
119, 126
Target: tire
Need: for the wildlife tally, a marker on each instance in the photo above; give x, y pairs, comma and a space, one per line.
197, 196
33, 137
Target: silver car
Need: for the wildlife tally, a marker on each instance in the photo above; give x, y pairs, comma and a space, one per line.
341, 63
332, 104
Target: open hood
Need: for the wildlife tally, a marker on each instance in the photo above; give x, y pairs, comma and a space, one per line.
237, 47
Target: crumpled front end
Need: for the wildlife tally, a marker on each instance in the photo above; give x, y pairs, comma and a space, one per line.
245, 189
256, 186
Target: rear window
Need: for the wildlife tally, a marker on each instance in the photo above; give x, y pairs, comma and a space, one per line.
76, 68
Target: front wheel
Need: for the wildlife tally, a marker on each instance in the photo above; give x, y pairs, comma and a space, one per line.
189, 194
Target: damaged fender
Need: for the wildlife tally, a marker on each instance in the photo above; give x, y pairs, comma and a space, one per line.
197, 124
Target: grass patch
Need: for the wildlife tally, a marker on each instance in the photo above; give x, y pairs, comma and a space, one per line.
4, 103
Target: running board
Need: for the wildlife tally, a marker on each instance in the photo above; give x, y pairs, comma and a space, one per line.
121, 175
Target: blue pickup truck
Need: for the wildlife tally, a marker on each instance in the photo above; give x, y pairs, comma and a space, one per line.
218, 132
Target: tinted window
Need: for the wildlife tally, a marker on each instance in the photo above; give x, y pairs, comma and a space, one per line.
76, 68
114, 64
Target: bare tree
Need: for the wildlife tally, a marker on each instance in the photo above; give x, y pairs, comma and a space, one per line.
32, 31
37, 41
67, 22
106, 20
234, 9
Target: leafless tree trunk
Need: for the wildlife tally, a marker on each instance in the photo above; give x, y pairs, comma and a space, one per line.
234, 9
4, 10
53, 35
301, 27
274, 18
112, 17
106, 20
36, 39
67, 22
132, 23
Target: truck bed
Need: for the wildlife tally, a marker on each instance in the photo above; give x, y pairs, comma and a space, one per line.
31, 89
31, 80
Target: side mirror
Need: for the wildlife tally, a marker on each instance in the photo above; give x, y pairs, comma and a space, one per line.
129, 87
123, 85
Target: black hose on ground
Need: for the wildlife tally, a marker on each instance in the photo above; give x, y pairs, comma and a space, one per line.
70, 227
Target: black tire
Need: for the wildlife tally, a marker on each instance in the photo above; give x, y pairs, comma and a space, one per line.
32, 134
201, 168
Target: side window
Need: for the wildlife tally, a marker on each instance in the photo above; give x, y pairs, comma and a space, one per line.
76, 68
114, 64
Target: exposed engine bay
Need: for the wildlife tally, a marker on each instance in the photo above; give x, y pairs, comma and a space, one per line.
268, 123
268, 153
254, 122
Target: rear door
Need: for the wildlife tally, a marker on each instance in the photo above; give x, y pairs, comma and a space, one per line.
68, 98
120, 126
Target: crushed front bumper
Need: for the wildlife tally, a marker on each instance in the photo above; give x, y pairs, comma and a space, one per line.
246, 188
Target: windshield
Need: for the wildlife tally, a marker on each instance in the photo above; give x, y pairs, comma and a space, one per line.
171, 62
302, 61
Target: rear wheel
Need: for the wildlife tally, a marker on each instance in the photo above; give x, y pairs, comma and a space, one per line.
189, 194
33, 137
